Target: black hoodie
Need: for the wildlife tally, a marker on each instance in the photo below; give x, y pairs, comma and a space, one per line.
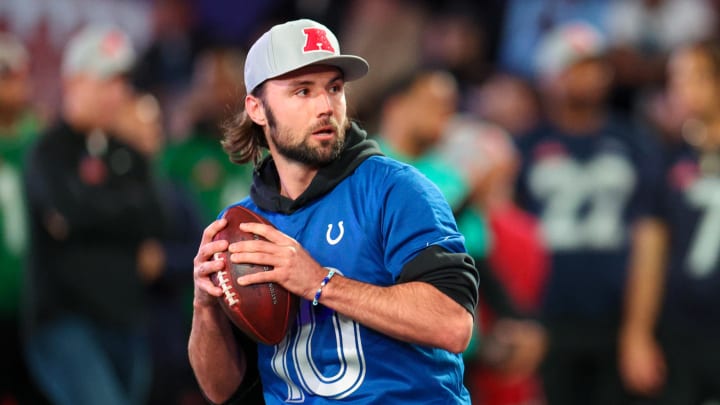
265, 190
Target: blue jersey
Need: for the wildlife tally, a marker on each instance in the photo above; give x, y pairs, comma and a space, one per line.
691, 208
367, 227
587, 190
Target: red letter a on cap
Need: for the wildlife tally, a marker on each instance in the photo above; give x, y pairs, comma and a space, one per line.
317, 40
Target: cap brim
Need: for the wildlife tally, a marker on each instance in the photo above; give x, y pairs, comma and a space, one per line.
353, 67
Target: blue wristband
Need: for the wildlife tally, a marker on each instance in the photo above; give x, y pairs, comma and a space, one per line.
324, 282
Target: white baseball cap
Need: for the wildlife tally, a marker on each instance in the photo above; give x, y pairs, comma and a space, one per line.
99, 50
296, 44
566, 45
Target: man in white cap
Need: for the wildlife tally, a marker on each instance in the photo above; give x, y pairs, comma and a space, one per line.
387, 290
590, 176
93, 210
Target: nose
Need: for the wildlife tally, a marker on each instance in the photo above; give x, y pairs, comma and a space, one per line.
324, 104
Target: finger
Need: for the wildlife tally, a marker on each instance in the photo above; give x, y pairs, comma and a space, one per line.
252, 246
206, 285
212, 230
261, 259
209, 249
268, 232
256, 278
210, 267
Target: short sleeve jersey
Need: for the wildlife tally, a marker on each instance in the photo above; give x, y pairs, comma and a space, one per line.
587, 190
691, 209
367, 228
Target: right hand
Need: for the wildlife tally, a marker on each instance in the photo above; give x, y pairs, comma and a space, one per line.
519, 346
206, 292
642, 364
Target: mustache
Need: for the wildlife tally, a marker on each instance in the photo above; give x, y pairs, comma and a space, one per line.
329, 121
332, 122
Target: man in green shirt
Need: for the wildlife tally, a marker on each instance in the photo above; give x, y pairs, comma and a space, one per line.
196, 160
19, 126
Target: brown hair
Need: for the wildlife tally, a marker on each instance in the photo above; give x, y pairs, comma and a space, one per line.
243, 139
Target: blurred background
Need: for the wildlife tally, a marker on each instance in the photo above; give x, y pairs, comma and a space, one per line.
550, 125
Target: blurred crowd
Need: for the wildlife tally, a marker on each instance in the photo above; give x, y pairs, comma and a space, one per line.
577, 142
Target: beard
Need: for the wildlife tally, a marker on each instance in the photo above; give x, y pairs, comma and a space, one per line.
301, 151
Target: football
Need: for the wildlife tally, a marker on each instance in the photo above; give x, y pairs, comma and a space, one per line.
264, 312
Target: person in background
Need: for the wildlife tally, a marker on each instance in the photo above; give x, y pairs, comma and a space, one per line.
95, 219
673, 356
591, 177
19, 127
504, 369
193, 157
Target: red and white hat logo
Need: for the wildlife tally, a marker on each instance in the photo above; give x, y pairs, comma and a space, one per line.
316, 40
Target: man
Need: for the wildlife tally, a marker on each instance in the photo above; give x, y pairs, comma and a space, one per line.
193, 159
392, 322
19, 126
513, 344
94, 217
680, 308
590, 177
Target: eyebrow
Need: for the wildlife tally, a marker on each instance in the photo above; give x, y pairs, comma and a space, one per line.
295, 83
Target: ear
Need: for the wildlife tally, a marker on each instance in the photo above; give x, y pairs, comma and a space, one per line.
255, 110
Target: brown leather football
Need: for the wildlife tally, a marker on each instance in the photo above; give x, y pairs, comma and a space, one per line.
264, 312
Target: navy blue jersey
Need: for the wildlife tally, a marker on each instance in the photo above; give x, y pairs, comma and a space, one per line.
367, 227
691, 208
587, 190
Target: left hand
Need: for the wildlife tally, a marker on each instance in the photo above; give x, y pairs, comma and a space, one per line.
293, 267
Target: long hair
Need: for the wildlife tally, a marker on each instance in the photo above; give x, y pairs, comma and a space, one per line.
244, 140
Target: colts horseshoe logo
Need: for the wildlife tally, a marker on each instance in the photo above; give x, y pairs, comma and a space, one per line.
336, 240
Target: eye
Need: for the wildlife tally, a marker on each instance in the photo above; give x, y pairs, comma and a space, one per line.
301, 92
336, 88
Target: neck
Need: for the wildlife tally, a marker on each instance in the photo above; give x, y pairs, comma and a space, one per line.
295, 177
577, 118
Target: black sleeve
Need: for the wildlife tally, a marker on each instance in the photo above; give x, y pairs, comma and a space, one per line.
454, 274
